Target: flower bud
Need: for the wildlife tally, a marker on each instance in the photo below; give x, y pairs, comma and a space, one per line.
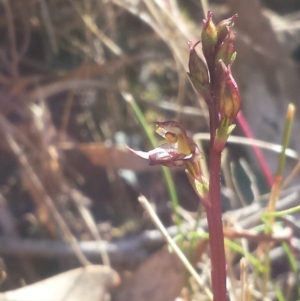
209, 39
229, 96
197, 67
224, 26
226, 51
203, 90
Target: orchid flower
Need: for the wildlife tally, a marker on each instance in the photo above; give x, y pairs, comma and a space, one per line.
179, 149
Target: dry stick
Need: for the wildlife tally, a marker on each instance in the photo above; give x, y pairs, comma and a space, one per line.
277, 148
48, 26
158, 16
125, 252
92, 26
39, 187
228, 179
92, 227
171, 25
136, 248
290, 177
64, 85
236, 186
243, 277
66, 116
146, 205
169, 104
251, 177
12, 37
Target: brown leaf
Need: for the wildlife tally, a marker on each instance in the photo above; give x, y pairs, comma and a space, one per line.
87, 283
160, 278
113, 156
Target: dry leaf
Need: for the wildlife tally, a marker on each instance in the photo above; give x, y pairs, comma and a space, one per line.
160, 278
113, 156
87, 283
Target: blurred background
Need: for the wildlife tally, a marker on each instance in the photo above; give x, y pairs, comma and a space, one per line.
65, 174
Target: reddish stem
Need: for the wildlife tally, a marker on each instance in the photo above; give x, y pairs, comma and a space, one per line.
215, 228
258, 153
214, 211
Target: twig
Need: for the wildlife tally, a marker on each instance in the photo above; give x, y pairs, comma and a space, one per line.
92, 26
146, 205
251, 177
32, 177
12, 37
128, 251
48, 26
91, 225
249, 141
45, 91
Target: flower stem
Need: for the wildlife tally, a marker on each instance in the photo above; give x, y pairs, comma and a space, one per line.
215, 228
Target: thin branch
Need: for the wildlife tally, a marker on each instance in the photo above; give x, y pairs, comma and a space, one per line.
12, 37
250, 142
35, 181
146, 205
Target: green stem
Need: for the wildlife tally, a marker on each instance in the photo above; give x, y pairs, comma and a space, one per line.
173, 196
286, 138
282, 213
275, 191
